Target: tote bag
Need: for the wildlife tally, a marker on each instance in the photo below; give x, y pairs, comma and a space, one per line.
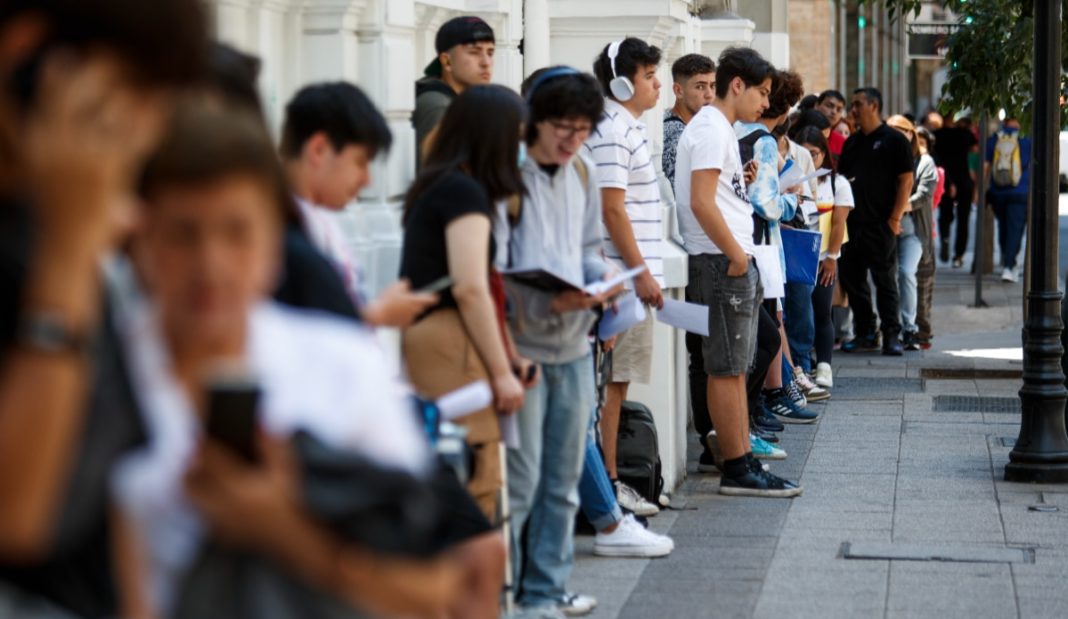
802, 249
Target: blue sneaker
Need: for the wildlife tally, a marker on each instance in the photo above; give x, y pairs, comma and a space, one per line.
763, 450
788, 411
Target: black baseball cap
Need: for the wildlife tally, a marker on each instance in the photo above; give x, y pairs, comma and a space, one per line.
458, 31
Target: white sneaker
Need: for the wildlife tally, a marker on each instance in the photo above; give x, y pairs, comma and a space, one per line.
812, 391
631, 539
824, 375
1009, 275
576, 604
629, 498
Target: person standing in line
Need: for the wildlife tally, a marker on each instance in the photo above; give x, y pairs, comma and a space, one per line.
331, 134
914, 242
877, 160
447, 221
630, 197
465, 47
558, 228
834, 201
694, 77
832, 104
953, 144
1008, 161
716, 223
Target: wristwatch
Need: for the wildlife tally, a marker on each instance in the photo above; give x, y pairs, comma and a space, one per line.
49, 332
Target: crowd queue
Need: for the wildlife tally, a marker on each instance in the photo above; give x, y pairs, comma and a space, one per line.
197, 420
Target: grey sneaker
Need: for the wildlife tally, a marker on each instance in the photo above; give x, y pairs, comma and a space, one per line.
576, 604
628, 498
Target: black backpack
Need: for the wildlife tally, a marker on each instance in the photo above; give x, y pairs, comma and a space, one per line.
638, 452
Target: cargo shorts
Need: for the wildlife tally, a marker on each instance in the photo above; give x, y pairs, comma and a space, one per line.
733, 313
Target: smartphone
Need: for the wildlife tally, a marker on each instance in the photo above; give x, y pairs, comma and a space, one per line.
437, 285
233, 415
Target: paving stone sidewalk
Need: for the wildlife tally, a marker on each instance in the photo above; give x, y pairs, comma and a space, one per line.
904, 461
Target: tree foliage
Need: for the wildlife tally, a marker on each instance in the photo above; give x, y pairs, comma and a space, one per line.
990, 55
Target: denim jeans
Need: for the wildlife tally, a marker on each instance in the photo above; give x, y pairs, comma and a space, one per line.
597, 495
1011, 213
800, 324
909, 252
543, 478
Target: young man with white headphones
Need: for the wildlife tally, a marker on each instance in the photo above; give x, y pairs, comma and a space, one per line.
558, 229
630, 198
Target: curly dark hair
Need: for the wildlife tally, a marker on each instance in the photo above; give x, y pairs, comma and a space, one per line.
568, 95
787, 90
633, 54
690, 65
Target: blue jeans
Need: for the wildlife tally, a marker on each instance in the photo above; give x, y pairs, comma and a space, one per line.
543, 478
909, 252
597, 495
1011, 212
800, 324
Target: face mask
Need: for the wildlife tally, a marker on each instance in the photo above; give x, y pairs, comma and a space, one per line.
522, 153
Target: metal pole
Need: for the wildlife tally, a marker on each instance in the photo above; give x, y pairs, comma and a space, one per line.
1041, 451
978, 256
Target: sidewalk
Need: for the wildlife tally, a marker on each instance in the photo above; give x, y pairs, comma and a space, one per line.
904, 462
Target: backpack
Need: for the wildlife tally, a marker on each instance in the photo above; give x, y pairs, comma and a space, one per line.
638, 451
1007, 170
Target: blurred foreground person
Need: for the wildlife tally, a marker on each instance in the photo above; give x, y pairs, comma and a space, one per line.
85, 95
208, 253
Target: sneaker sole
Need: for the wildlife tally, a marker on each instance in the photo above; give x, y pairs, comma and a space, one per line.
640, 552
793, 420
818, 397
755, 492
772, 456
825, 384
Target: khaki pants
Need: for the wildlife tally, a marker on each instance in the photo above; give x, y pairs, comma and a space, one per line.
440, 358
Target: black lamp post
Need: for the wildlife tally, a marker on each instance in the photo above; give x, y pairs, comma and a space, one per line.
1041, 451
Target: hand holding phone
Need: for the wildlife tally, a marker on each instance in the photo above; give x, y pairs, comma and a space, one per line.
233, 415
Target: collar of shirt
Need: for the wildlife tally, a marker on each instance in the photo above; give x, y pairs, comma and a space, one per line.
611, 106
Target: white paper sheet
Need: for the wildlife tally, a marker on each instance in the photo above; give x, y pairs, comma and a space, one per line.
631, 312
793, 176
686, 316
771, 275
597, 288
465, 400
509, 427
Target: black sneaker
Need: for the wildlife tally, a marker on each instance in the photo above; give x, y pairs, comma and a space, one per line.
910, 341
707, 463
867, 343
766, 421
770, 437
893, 348
789, 412
759, 483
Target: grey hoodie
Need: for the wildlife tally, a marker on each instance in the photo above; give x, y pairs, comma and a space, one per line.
560, 231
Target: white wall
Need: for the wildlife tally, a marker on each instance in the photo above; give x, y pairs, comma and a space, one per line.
383, 46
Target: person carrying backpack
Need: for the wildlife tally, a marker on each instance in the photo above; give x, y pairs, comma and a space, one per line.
1008, 157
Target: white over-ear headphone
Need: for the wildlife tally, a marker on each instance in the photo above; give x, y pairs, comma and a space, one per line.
621, 86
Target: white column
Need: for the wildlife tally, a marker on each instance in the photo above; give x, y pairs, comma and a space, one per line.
535, 35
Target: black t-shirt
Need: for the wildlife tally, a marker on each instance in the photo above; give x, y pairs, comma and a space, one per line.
77, 573
952, 145
310, 280
424, 258
872, 162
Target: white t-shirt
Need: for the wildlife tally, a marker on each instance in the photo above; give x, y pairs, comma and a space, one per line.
316, 373
827, 199
620, 154
709, 143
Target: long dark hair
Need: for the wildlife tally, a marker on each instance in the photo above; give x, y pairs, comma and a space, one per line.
478, 135
814, 136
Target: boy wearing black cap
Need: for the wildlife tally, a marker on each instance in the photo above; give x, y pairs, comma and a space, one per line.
465, 47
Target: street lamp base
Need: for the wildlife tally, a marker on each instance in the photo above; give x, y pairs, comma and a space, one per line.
1030, 469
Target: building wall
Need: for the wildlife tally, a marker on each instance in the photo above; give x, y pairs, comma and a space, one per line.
813, 37
383, 46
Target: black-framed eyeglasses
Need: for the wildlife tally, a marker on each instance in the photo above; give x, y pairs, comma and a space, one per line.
567, 130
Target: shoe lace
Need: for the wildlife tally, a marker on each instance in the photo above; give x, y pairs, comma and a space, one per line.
792, 391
